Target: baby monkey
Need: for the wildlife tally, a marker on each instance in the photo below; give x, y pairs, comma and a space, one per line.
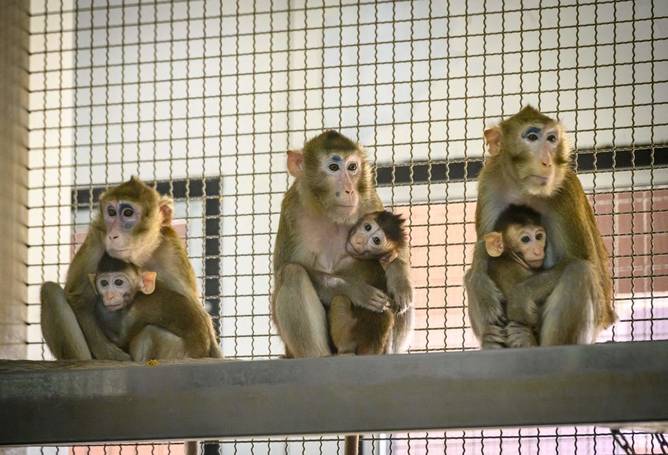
146, 319
377, 236
517, 250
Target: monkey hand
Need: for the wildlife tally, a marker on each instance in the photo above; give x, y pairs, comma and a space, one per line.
369, 297
399, 286
401, 292
519, 335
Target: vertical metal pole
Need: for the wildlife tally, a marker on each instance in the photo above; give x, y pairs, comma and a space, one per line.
14, 42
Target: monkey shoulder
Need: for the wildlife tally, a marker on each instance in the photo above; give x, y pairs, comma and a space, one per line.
171, 263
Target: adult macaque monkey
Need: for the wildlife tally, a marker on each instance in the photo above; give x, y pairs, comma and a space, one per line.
143, 317
133, 225
378, 236
331, 191
529, 165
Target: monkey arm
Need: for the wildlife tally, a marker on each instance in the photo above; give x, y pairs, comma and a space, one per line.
81, 297
361, 294
398, 284
523, 299
484, 301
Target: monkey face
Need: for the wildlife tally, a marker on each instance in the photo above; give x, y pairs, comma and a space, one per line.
528, 242
340, 174
117, 289
120, 218
367, 240
540, 157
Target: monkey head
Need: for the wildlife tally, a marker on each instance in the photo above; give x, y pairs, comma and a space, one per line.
117, 282
534, 151
332, 176
377, 235
519, 233
131, 215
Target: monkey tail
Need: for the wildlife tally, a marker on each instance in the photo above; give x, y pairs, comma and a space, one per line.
352, 444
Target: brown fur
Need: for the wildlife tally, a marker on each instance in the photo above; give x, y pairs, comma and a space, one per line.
308, 198
162, 308
358, 330
156, 247
581, 304
310, 258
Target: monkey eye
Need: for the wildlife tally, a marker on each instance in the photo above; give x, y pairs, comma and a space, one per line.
104, 283
352, 167
333, 167
525, 239
532, 137
539, 236
118, 282
111, 211
376, 240
367, 227
552, 138
128, 212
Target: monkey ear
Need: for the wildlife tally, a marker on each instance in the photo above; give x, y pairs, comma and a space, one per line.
296, 162
166, 206
91, 277
148, 282
494, 244
493, 140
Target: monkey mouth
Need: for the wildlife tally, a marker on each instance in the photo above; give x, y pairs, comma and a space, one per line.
114, 307
118, 253
539, 179
535, 264
352, 250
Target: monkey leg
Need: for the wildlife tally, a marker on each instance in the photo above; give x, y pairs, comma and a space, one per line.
372, 331
300, 315
60, 327
154, 342
341, 323
569, 312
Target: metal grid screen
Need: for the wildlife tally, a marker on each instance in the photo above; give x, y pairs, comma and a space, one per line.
205, 98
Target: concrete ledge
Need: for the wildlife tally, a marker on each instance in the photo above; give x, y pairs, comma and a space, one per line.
67, 402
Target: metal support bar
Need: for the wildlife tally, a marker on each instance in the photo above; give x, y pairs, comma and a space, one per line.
68, 402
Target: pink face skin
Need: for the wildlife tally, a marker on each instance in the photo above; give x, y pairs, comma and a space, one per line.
116, 289
543, 143
367, 240
343, 174
120, 218
529, 242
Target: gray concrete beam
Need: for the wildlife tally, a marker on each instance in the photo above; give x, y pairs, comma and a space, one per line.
66, 402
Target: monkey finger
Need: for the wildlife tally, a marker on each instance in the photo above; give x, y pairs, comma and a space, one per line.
379, 303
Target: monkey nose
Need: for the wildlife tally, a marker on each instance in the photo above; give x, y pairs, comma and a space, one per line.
113, 237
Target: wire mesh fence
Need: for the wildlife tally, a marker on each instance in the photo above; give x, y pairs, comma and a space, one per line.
204, 98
